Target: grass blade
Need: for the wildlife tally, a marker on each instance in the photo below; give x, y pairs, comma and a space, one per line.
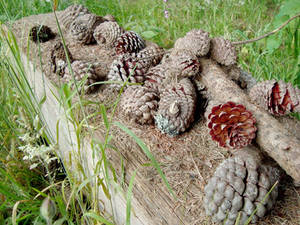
93, 215
128, 198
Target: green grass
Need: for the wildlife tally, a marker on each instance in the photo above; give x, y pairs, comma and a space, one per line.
230, 19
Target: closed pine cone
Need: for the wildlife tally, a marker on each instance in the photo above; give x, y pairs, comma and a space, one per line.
107, 33
139, 103
59, 59
71, 13
82, 28
176, 108
129, 42
81, 69
238, 186
196, 41
277, 97
231, 125
153, 52
154, 78
223, 51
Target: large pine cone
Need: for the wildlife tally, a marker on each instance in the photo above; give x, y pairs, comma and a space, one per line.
277, 97
107, 33
139, 103
238, 186
41, 33
80, 70
71, 13
129, 42
59, 59
154, 78
183, 63
176, 108
231, 125
223, 51
196, 41
82, 28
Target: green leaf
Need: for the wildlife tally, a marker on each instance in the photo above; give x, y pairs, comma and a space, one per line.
148, 34
290, 8
104, 115
128, 198
273, 43
93, 215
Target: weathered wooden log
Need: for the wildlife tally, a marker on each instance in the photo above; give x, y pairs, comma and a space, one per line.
272, 137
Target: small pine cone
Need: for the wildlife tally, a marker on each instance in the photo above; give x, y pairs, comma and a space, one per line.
239, 186
196, 41
82, 28
129, 42
110, 18
139, 103
176, 108
153, 52
71, 13
41, 33
154, 78
183, 63
223, 51
80, 70
59, 59
107, 33
277, 97
128, 65
231, 125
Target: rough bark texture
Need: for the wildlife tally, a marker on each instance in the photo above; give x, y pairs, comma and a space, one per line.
272, 137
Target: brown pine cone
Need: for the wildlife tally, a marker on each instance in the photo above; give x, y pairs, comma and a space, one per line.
41, 33
153, 52
82, 28
139, 104
129, 42
82, 69
239, 186
223, 51
107, 33
231, 125
71, 13
176, 108
154, 78
277, 97
110, 18
196, 41
59, 59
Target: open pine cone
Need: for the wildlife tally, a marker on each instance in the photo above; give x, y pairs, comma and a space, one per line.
176, 108
59, 59
80, 70
239, 186
71, 13
139, 103
129, 42
154, 78
223, 51
196, 41
107, 33
231, 125
277, 97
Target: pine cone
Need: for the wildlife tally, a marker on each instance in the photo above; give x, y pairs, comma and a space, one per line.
183, 63
238, 186
129, 42
81, 69
71, 13
153, 52
139, 103
196, 41
82, 28
59, 59
41, 33
107, 33
154, 78
176, 108
223, 51
277, 97
110, 18
231, 125
128, 65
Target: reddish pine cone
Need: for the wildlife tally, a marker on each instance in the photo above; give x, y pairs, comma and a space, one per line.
196, 41
231, 125
71, 13
183, 63
176, 108
129, 42
139, 103
223, 51
82, 28
154, 78
81, 69
277, 97
59, 59
107, 33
